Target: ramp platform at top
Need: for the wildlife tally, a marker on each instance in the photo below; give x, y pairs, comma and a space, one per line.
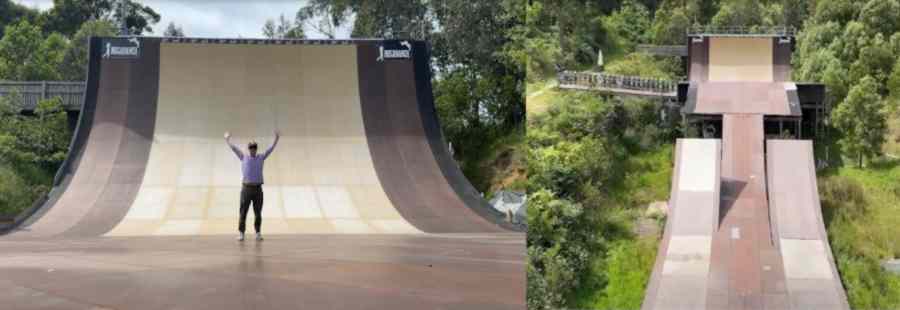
361, 149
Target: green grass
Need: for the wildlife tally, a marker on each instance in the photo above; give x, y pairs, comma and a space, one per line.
619, 280
862, 208
648, 178
539, 95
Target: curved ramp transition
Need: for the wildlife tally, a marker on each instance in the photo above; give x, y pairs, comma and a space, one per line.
360, 151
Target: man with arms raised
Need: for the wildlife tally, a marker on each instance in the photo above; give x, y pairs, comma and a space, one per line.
251, 191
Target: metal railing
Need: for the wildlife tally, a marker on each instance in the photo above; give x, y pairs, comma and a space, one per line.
741, 31
662, 50
617, 83
30, 93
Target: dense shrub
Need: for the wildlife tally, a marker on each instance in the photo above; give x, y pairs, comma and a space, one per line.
559, 248
31, 149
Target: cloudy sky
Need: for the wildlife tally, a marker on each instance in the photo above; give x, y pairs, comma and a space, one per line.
215, 18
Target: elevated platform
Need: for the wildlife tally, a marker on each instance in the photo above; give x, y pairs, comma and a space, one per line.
743, 98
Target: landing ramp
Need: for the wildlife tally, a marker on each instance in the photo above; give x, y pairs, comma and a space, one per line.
680, 275
812, 279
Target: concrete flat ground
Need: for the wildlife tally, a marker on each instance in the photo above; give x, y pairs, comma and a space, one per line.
283, 272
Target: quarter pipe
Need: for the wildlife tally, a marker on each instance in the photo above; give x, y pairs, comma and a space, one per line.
361, 150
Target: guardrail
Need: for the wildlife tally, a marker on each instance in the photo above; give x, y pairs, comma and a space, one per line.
621, 84
740, 31
30, 93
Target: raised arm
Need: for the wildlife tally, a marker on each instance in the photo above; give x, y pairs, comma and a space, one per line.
234, 148
272, 147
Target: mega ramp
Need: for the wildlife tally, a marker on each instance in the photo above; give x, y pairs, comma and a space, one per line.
768, 248
360, 151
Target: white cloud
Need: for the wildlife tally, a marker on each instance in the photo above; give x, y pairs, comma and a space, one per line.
209, 18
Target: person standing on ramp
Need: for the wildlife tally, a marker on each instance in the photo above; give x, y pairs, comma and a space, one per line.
251, 191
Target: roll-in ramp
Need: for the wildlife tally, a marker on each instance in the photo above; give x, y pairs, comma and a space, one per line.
739, 59
360, 152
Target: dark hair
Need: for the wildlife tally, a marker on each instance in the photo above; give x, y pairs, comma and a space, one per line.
251, 145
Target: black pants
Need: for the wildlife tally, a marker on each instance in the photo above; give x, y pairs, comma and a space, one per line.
251, 194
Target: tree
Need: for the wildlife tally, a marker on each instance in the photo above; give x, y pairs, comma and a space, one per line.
26, 55
628, 25
323, 17
67, 16
670, 24
882, 16
283, 29
42, 140
76, 57
11, 12
173, 31
893, 84
862, 121
739, 13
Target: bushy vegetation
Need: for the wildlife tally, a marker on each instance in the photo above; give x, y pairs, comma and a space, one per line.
46, 45
591, 162
853, 47
862, 217
31, 149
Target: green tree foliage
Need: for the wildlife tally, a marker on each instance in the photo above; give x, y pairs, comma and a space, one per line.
283, 29
796, 12
644, 65
842, 44
628, 25
67, 16
881, 16
26, 55
376, 19
11, 12
75, 59
559, 246
31, 149
893, 85
564, 166
861, 120
41, 140
739, 13
672, 20
172, 30
540, 48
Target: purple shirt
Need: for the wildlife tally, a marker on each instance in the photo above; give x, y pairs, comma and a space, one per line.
252, 166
